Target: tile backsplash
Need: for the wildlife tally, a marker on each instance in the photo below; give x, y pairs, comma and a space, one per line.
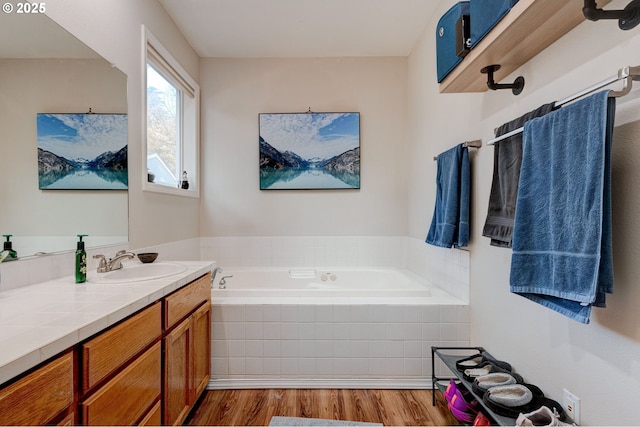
36, 269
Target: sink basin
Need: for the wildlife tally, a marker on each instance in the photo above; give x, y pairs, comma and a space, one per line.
139, 273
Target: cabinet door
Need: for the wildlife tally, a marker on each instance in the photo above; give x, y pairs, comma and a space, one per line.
126, 398
40, 396
201, 349
177, 373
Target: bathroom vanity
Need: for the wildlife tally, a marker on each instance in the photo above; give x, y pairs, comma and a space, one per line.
143, 360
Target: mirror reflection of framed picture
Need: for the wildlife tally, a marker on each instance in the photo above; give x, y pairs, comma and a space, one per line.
82, 151
309, 151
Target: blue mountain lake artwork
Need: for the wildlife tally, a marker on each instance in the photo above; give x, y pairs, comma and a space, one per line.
82, 151
309, 151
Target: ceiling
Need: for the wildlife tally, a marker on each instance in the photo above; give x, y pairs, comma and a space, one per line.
301, 28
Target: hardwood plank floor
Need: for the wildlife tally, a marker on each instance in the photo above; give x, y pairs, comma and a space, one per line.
256, 407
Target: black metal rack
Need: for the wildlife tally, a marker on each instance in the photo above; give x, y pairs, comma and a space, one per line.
450, 361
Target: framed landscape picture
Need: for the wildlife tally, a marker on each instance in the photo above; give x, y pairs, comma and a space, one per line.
82, 151
309, 151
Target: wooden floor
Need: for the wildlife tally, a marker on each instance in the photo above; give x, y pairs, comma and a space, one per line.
256, 407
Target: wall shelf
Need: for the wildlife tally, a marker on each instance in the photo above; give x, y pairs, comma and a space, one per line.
529, 28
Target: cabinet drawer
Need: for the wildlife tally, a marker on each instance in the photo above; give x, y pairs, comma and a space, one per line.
39, 396
128, 396
183, 301
107, 352
154, 416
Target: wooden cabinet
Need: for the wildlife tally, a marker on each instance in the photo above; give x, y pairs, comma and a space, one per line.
177, 373
187, 349
121, 376
202, 348
122, 370
128, 397
44, 396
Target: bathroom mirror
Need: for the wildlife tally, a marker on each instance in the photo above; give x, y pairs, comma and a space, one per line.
44, 69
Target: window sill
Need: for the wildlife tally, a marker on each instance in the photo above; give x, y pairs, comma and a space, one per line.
164, 189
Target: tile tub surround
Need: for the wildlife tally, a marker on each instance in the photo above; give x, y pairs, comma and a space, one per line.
338, 343
331, 345
41, 320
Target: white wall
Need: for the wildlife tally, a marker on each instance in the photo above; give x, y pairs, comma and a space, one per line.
48, 221
235, 91
113, 29
599, 362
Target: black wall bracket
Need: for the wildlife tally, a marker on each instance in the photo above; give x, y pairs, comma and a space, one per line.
627, 18
516, 86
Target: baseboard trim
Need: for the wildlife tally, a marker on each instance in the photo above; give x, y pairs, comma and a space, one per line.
302, 383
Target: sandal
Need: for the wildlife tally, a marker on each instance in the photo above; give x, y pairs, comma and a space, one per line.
483, 368
511, 400
477, 359
484, 382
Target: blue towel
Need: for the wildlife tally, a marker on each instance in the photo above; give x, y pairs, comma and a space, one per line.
450, 223
562, 255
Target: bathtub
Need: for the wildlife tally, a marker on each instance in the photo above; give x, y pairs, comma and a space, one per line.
321, 283
329, 328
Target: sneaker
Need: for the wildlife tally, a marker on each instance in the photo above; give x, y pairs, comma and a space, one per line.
481, 420
541, 417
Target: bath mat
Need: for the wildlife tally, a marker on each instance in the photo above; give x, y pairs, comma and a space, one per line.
297, 421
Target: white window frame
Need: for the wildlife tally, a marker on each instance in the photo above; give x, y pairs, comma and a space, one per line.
189, 120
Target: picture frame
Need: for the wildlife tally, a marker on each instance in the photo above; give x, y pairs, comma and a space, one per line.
309, 151
84, 151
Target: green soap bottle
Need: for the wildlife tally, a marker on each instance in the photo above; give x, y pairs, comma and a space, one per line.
81, 261
10, 255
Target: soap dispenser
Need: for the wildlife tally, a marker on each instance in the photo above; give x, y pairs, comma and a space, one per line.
81, 261
184, 184
10, 254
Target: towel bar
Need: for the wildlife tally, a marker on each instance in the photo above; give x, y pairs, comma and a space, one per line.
627, 74
473, 144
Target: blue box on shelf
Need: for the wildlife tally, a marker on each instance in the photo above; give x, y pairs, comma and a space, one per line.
452, 38
485, 14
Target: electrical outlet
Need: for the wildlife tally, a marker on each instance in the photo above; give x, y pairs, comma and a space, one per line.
571, 405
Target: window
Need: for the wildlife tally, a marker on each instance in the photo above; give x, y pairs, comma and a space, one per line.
171, 137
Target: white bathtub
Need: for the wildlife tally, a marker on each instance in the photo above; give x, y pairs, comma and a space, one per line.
366, 328
370, 285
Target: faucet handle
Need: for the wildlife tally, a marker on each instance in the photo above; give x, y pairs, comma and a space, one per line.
102, 266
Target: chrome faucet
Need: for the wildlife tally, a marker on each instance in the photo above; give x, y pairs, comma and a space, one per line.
114, 263
223, 282
213, 274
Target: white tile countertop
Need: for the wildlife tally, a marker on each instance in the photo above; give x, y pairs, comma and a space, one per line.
41, 320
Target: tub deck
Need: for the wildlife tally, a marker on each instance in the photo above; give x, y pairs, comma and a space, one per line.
328, 286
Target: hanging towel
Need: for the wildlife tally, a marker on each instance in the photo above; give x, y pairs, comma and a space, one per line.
507, 157
450, 223
562, 254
